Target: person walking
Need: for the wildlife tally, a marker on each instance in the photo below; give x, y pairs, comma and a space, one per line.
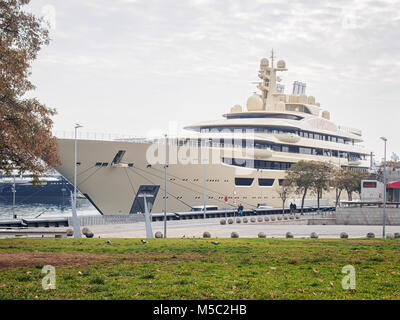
240, 210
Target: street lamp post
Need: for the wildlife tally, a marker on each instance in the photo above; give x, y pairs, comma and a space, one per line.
13, 191
165, 189
205, 181
75, 221
384, 189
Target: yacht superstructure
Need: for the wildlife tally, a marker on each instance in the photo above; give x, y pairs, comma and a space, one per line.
241, 158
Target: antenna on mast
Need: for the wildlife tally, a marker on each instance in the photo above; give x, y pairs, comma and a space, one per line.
272, 58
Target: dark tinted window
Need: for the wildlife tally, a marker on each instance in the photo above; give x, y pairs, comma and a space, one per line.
266, 182
243, 181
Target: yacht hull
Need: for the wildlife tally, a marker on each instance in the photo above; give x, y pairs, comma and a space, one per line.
113, 189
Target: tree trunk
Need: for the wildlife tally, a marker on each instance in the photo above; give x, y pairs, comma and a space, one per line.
338, 196
302, 201
349, 195
283, 206
318, 196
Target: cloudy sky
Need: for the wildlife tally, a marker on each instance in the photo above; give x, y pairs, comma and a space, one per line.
134, 66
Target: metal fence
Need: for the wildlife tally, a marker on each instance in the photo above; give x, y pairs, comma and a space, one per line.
110, 219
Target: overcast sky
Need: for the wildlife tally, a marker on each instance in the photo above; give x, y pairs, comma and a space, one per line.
130, 66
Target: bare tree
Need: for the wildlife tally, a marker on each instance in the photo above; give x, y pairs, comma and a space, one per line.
284, 191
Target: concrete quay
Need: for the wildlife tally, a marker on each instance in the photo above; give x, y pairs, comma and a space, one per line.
195, 228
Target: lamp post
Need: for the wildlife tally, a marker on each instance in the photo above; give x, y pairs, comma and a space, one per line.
205, 180
75, 221
165, 189
384, 188
13, 191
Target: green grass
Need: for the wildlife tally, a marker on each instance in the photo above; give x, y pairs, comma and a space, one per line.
197, 269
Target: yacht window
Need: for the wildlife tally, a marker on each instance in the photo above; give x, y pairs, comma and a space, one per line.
243, 181
273, 115
327, 153
305, 150
258, 164
276, 147
294, 149
266, 182
317, 152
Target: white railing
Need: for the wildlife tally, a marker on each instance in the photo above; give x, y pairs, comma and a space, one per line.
110, 219
98, 136
349, 130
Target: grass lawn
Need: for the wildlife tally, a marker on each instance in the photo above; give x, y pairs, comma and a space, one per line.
197, 269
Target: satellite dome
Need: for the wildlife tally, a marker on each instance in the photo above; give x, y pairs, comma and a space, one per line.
281, 64
254, 103
236, 108
264, 63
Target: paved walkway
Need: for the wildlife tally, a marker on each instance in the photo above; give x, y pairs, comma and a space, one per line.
195, 228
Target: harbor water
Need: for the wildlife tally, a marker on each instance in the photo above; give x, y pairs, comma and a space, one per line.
40, 210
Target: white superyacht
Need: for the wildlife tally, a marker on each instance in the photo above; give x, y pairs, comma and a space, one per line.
241, 158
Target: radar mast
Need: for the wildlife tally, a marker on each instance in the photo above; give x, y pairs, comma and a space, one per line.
269, 79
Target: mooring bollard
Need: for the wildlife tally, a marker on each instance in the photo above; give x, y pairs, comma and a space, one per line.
230, 221
238, 220
289, 235
223, 221
253, 219
158, 234
314, 235
85, 230
370, 235
245, 220
70, 232
397, 234
262, 235
259, 219
206, 234
234, 235
266, 219
89, 234
344, 235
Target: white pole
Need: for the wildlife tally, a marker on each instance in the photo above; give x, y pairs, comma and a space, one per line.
165, 189
75, 221
14, 190
205, 183
149, 231
384, 189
